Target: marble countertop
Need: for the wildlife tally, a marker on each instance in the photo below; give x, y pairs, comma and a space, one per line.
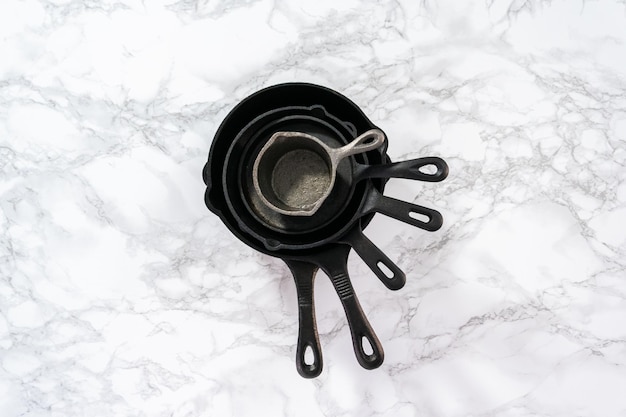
122, 295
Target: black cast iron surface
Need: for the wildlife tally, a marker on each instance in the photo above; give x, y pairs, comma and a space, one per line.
322, 240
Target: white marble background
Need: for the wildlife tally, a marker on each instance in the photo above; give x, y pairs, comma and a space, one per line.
122, 295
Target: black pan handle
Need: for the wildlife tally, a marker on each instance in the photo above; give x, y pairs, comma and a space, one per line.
334, 264
304, 275
406, 169
403, 211
373, 257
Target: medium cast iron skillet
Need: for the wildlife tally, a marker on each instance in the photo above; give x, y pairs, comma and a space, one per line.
322, 240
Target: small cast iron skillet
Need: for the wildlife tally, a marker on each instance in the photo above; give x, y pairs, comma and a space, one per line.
322, 240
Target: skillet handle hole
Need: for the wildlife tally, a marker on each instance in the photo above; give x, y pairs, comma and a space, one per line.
309, 358
367, 346
385, 270
429, 169
419, 216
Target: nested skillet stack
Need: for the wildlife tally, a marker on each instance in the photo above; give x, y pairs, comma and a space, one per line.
324, 239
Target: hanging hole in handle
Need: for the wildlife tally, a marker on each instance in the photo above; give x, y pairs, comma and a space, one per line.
366, 142
309, 358
367, 346
369, 140
419, 217
385, 270
430, 169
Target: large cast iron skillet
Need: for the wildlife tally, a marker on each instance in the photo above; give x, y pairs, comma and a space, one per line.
324, 239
